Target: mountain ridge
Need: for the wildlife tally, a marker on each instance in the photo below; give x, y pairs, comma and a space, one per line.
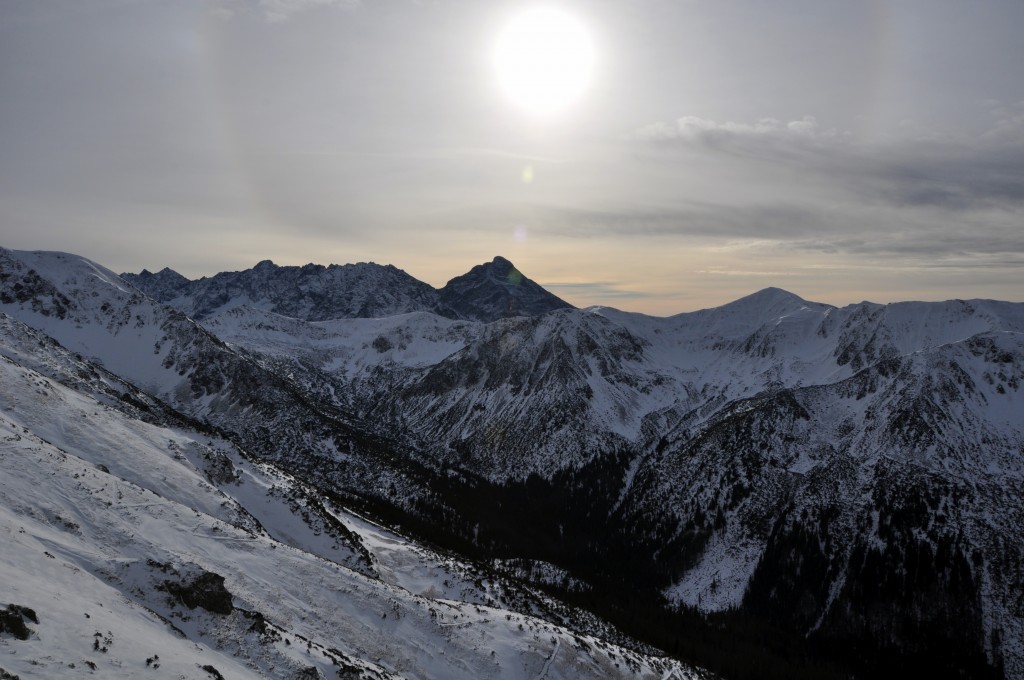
313, 292
850, 477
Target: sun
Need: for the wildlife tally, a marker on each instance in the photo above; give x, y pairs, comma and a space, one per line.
544, 60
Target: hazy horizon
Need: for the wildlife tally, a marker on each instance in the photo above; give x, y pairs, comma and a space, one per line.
841, 151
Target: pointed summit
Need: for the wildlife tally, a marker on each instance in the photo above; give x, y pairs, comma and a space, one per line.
166, 284
497, 290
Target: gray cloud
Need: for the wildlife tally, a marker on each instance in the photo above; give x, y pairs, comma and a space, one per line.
693, 129
276, 11
695, 219
596, 290
279, 10
986, 247
952, 173
1008, 125
954, 177
924, 196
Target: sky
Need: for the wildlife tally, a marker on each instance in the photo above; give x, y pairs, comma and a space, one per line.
844, 151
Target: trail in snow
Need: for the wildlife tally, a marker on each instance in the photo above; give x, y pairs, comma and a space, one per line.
550, 660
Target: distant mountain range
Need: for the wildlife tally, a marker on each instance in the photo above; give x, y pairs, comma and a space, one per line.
491, 291
770, 488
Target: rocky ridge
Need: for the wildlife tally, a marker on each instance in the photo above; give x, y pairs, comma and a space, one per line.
488, 292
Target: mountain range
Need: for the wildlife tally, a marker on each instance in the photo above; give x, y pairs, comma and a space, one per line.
770, 488
491, 291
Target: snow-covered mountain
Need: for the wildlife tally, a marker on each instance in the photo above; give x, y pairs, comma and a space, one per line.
164, 285
490, 291
312, 292
497, 290
826, 491
140, 542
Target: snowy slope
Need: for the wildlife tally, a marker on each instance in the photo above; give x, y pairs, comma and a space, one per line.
346, 348
162, 353
837, 486
116, 533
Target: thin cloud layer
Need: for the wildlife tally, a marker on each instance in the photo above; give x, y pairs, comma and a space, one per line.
595, 291
928, 195
711, 133
275, 11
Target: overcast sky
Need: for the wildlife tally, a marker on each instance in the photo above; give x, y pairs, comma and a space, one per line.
841, 150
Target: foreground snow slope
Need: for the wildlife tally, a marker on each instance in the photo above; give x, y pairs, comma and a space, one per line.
111, 526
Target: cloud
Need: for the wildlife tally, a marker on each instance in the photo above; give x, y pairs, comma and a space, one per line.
801, 187
952, 176
280, 10
930, 234
1008, 124
694, 130
597, 290
934, 244
950, 173
276, 11
778, 220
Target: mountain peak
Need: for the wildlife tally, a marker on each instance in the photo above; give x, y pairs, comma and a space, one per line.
771, 299
497, 290
500, 270
775, 293
166, 284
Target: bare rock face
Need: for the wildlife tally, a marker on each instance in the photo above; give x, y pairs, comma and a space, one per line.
13, 621
205, 591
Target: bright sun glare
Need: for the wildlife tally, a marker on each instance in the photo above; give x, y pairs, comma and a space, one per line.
544, 60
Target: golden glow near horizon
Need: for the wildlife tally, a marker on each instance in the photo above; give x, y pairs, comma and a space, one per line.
544, 60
